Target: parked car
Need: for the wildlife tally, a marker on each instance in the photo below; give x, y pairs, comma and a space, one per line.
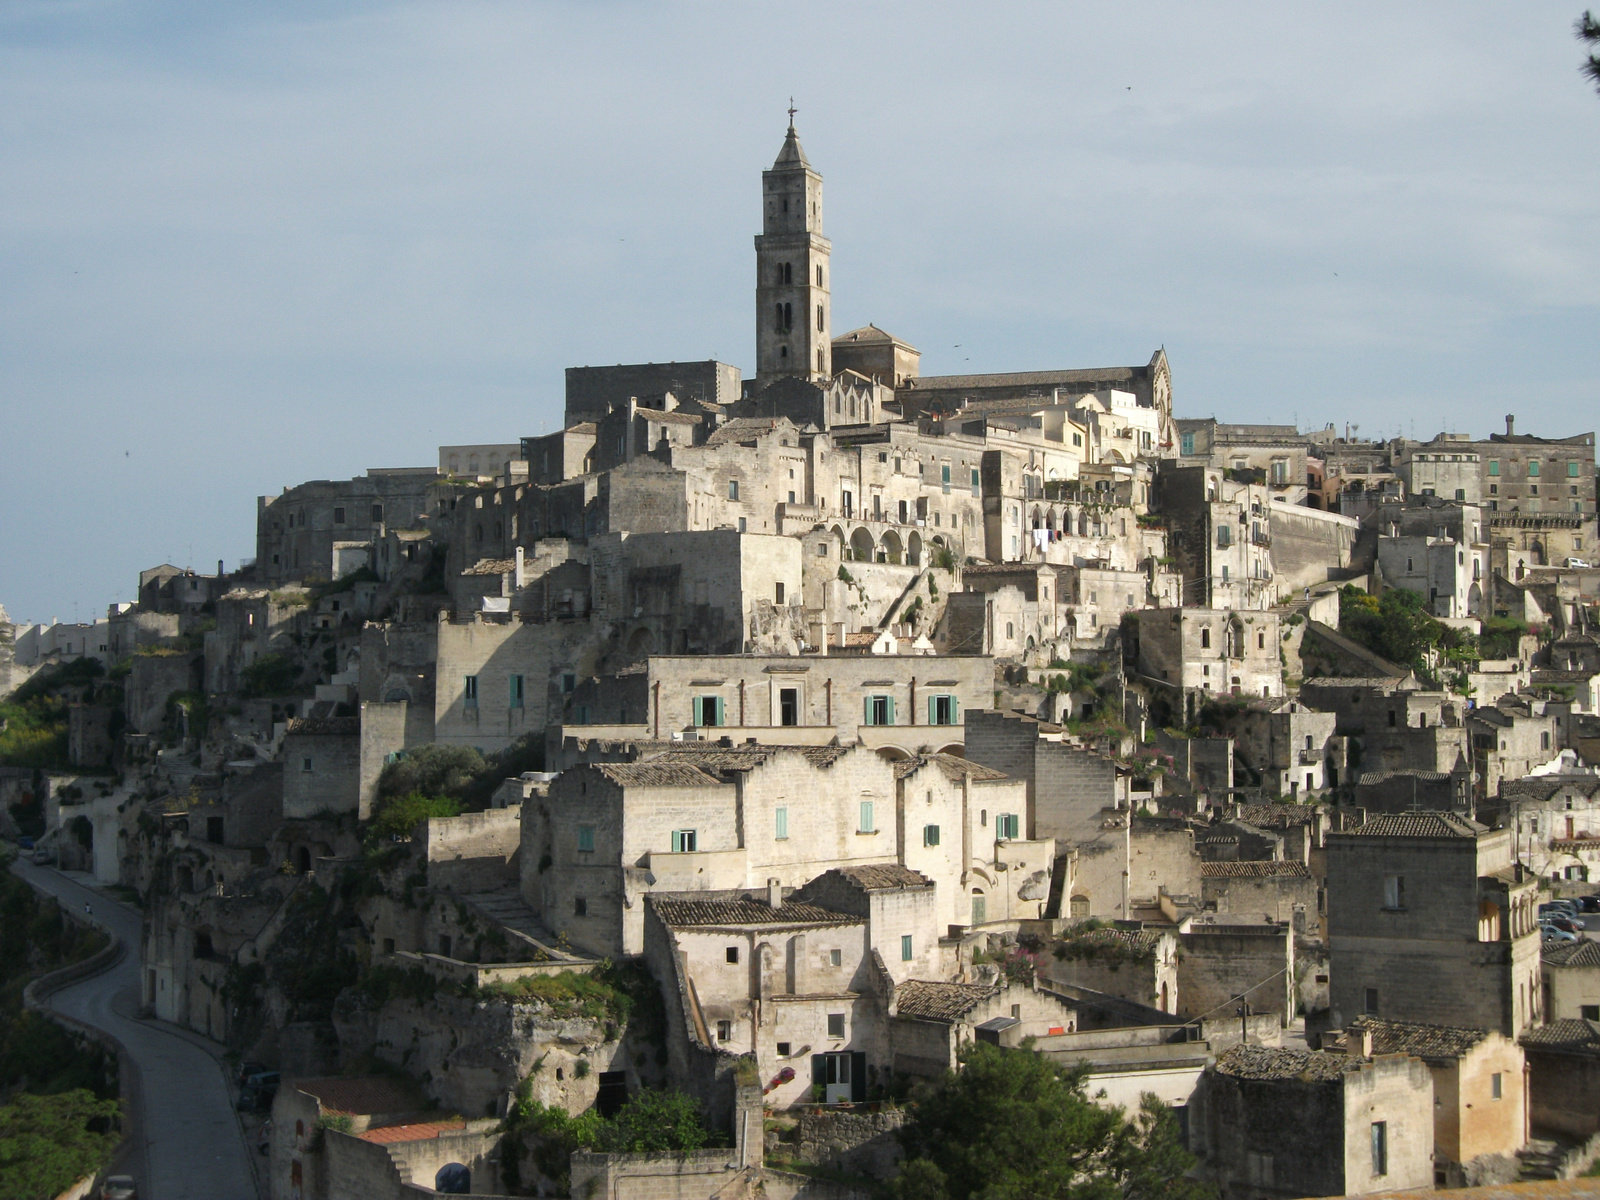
1551, 934
247, 1069
1557, 907
43, 856
1578, 562
25, 843
1589, 904
119, 1187
1570, 924
257, 1094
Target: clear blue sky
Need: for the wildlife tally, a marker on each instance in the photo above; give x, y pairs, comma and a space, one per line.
244, 245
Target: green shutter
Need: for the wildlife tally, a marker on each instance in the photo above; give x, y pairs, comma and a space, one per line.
694, 710
933, 714
866, 711
955, 711
891, 720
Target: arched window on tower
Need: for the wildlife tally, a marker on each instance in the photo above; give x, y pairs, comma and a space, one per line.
778, 319
820, 367
819, 276
788, 317
788, 272
821, 324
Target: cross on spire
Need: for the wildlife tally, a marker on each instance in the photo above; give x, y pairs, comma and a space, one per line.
791, 114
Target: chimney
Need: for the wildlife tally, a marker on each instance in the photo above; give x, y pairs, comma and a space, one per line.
1511, 424
774, 894
1358, 1041
522, 570
219, 566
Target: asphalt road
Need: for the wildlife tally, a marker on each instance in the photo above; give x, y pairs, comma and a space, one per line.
193, 1148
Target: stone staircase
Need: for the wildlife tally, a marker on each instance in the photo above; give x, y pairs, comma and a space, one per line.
1541, 1158
507, 910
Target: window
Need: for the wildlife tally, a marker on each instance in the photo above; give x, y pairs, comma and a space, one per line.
569, 681
868, 821
1494, 466
338, 516
514, 698
733, 954
741, 524
783, 1049
1572, 470
1006, 825
1186, 443
724, 1030
905, 947
1496, 1086
780, 821
1533, 468
470, 694
942, 710
1224, 536
879, 710
683, 841
1370, 1002
305, 764
974, 478
580, 906
586, 839
836, 1025
733, 489
377, 514
835, 958
930, 835
1394, 891
1589, 1012
789, 706
706, 710
1380, 1147
778, 593
821, 326
1205, 639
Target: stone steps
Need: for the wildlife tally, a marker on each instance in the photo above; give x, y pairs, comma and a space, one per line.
510, 912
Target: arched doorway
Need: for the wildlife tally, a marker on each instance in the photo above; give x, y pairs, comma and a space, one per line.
453, 1179
302, 859
891, 546
639, 645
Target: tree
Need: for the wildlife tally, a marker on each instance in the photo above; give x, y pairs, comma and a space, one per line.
1012, 1125
652, 1120
48, 1143
434, 770
1587, 30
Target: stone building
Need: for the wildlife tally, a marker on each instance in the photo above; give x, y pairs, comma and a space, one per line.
300, 533
1480, 1097
1282, 891
1554, 818
1571, 978
1362, 1123
1220, 534
1429, 919
1196, 655
1564, 1076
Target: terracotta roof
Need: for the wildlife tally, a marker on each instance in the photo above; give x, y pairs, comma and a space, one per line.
386, 1135
1269, 1062
1139, 939
1578, 1037
656, 772
1374, 778
325, 726
1415, 1038
1417, 825
953, 767
1582, 953
361, 1095
745, 911
884, 877
930, 1001
1254, 870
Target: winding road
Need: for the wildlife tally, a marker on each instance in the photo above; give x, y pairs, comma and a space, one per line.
192, 1147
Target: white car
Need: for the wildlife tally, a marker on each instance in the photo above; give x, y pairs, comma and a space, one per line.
1577, 562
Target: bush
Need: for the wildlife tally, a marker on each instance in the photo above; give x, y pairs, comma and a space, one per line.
432, 770
399, 817
48, 1143
269, 675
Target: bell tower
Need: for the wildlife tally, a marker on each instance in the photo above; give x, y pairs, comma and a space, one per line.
794, 318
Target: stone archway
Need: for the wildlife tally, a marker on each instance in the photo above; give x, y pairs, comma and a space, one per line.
890, 547
914, 549
862, 547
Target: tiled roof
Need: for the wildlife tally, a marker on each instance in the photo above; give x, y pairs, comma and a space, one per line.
668, 417
709, 756
656, 772
883, 877
953, 767
1582, 953
1541, 1189
361, 1095
325, 726
1374, 778
1275, 816
492, 566
1542, 787
388, 1135
745, 911
930, 1001
1026, 378
1423, 1041
1417, 825
1136, 939
1254, 870
1581, 1037
1269, 1062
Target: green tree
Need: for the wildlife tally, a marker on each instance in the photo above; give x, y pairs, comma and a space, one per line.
269, 675
652, 1120
1012, 1125
397, 818
48, 1143
433, 770
1588, 32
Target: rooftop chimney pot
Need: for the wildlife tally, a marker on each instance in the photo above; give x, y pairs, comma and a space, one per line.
1511, 424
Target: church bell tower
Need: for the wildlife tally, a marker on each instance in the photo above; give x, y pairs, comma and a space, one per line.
794, 318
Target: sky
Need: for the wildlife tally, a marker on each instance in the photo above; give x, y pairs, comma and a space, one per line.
246, 245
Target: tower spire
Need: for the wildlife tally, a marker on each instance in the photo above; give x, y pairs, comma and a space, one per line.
792, 111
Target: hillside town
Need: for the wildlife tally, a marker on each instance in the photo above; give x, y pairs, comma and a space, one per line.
774, 741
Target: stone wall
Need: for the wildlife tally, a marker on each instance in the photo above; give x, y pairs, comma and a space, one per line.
475, 852
1308, 545
856, 1142
1217, 963
321, 771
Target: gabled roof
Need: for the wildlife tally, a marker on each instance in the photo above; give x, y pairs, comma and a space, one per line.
1576, 1037
884, 877
1582, 953
1417, 825
417, 1131
1431, 1042
742, 429
1275, 816
746, 911
1271, 1062
929, 1001
953, 767
870, 334
1543, 787
656, 772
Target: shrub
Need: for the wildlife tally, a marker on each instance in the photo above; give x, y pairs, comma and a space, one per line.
269, 675
397, 818
432, 770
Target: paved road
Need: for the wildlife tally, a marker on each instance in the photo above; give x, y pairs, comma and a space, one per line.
193, 1149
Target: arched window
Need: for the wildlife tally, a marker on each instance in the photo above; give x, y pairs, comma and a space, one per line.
820, 366
788, 317
777, 322
788, 272
819, 276
821, 324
